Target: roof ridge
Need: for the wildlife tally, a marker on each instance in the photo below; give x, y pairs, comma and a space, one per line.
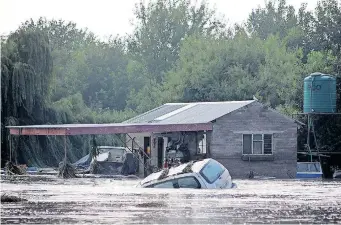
175, 112
140, 115
213, 102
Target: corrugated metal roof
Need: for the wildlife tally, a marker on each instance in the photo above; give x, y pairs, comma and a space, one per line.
155, 113
188, 113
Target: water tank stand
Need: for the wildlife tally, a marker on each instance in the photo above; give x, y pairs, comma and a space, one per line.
311, 130
308, 139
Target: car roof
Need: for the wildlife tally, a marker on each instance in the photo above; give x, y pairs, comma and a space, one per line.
196, 167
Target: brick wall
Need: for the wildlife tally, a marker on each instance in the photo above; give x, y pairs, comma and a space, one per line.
226, 142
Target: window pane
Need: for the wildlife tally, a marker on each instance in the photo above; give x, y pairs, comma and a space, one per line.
167, 184
257, 137
212, 171
202, 145
267, 143
188, 182
257, 147
247, 139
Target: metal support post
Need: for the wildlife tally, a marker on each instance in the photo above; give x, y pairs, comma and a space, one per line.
308, 138
10, 148
165, 143
65, 148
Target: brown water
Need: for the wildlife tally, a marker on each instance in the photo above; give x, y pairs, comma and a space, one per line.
108, 201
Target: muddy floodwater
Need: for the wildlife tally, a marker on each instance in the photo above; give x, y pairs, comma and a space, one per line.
110, 201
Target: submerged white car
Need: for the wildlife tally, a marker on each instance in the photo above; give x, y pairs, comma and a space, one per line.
206, 174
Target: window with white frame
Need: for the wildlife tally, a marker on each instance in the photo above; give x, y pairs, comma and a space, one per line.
202, 145
257, 144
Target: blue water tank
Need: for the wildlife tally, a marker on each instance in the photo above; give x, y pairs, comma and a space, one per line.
319, 93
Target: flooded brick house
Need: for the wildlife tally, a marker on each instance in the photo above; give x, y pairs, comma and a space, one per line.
247, 137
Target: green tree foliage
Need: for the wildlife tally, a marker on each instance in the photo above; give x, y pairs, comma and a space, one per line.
155, 43
161, 25
66, 44
328, 26
107, 80
238, 68
26, 66
26, 73
62, 35
41, 85
274, 19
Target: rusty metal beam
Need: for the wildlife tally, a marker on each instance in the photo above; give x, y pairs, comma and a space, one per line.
37, 131
79, 129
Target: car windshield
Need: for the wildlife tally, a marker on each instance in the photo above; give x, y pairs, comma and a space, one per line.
211, 171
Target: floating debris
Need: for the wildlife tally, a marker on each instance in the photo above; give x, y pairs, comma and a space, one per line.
66, 170
9, 198
12, 169
151, 204
188, 168
163, 174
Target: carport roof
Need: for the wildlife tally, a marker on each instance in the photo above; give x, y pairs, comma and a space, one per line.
111, 128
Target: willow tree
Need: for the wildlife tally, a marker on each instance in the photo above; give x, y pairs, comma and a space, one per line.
26, 66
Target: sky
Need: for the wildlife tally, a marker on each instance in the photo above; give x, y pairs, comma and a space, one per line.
109, 17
